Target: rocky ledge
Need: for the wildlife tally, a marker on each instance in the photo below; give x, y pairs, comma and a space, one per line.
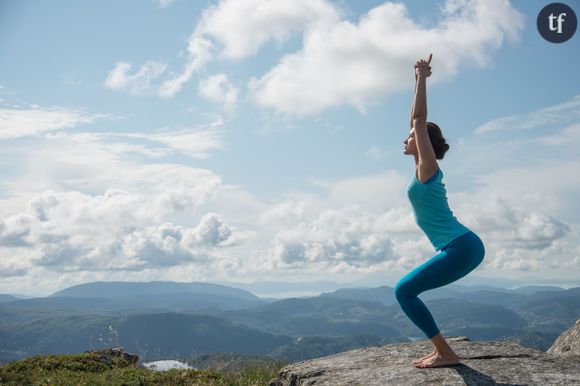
482, 363
568, 343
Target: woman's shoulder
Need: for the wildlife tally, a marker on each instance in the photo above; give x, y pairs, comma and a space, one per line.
425, 172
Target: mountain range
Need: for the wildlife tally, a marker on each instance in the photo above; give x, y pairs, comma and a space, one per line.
168, 320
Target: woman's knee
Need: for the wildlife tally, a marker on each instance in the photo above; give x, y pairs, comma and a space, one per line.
402, 290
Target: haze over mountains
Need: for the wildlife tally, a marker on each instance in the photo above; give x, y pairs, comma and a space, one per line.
167, 320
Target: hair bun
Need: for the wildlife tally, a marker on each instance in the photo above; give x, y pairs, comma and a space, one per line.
443, 144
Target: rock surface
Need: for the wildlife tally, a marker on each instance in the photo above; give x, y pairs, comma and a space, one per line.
482, 363
118, 352
568, 343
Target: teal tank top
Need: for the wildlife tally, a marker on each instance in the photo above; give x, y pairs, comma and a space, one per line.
432, 212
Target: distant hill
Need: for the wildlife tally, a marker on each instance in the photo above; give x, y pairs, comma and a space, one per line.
321, 316
116, 289
474, 288
151, 336
170, 334
553, 311
305, 348
453, 315
155, 319
383, 294
478, 294
532, 289
541, 340
20, 311
113, 298
386, 294
7, 298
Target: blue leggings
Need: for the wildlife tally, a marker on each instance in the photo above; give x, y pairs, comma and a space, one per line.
455, 260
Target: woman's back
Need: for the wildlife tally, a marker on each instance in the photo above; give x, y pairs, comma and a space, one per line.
432, 212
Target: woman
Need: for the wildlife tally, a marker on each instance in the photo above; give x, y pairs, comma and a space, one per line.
460, 250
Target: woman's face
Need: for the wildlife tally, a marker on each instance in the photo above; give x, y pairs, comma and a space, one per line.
410, 144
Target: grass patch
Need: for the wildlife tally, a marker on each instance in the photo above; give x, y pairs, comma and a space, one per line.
98, 369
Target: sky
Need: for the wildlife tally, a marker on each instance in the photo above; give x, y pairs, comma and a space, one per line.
243, 141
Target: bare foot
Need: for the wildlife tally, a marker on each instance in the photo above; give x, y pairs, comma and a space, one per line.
417, 361
439, 360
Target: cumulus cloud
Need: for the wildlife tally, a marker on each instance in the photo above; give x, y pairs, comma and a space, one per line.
11, 267
234, 29
118, 230
335, 237
138, 83
514, 226
347, 63
167, 244
15, 230
94, 162
286, 213
35, 120
218, 88
518, 234
351, 64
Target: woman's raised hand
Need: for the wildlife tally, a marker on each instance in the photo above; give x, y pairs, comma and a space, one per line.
423, 67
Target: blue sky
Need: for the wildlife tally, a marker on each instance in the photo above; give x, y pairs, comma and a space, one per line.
242, 141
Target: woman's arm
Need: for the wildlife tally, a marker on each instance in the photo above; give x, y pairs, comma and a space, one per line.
427, 162
415, 90
413, 103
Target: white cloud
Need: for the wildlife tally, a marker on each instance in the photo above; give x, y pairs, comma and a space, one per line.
396, 220
199, 50
286, 213
66, 229
352, 64
15, 230
522, 195
243, 27
346, 63
87, 163
195, 143
73, 231
35, 120
333, 238
211, 230
511, 225
234, 29
563, 112
10, 271
411, 252
138, 83
92, 161
218, 88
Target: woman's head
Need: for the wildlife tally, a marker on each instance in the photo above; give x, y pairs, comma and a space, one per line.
438, 142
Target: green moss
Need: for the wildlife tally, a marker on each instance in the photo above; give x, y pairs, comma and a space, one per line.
96, 369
